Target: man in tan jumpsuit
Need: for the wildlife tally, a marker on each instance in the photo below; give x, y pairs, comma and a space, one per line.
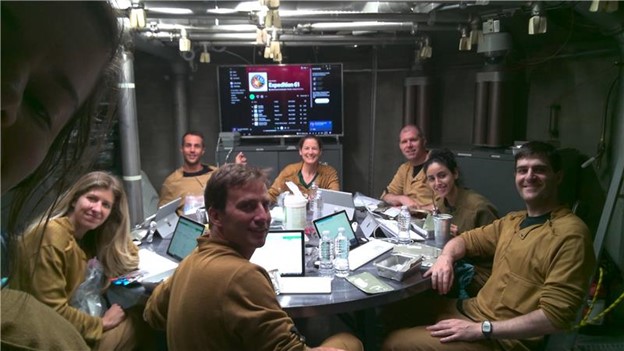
409, 185
217, 299
543, 259
189, 181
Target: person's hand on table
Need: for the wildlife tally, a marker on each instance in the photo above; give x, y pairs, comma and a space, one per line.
408, 201
441, 274
427, 207
456, 330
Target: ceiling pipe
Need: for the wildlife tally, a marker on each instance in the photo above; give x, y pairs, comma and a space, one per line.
202, 36
393, 26
292, 34
344, 38
230, 28
293, 17
319, 42
155, 48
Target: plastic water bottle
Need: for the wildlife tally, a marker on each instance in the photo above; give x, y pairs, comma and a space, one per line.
326, 255
312, 196
319, 203
341, 262
404, 226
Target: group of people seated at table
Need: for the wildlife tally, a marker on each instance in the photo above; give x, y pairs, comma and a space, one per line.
541, 258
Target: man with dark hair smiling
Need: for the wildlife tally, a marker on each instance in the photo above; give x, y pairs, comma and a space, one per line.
542, 257
217, 299
189, 181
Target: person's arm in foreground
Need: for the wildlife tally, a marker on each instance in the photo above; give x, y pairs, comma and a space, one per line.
442, 270
156, 308
529, 325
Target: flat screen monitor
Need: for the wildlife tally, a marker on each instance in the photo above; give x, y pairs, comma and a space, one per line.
263, 101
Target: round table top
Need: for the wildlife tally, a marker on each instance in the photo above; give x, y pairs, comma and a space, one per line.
346, 297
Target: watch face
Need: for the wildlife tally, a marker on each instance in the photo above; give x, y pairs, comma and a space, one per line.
486, 327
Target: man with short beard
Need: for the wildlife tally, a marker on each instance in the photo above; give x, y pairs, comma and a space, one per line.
409, 185
188, 182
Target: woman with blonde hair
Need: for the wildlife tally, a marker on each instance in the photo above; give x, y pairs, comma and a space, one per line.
88, 221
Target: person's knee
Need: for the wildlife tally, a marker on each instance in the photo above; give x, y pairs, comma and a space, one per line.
344, 341
397, 340
410, 339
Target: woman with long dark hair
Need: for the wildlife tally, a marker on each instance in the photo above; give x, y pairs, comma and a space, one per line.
469, 210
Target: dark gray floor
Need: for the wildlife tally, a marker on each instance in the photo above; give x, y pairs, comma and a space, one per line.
599, 343
318, 328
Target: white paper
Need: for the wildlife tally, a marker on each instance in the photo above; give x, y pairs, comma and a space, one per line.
151, 263
360, 200
305, 285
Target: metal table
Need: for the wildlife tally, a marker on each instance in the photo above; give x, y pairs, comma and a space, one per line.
353, 306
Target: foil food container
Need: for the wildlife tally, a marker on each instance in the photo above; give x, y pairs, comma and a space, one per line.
397, 266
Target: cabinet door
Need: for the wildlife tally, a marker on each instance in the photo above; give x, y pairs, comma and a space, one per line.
264, 159
257, 157
494, 179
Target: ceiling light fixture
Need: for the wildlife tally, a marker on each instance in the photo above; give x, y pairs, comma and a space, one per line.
476, 34
261, 36
603, 6
538, 21
137, 16
185, 42
464, 42
425, 49
272, 16
171, 10
267, 47
276, 51
205, 55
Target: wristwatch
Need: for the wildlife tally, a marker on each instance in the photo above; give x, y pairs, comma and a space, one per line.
486, 329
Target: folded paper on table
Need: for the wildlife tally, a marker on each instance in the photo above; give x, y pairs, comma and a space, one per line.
368, 283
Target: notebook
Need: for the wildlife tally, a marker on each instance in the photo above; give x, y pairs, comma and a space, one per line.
166, 218
155, 267
334, 221
334, 201
283, 250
